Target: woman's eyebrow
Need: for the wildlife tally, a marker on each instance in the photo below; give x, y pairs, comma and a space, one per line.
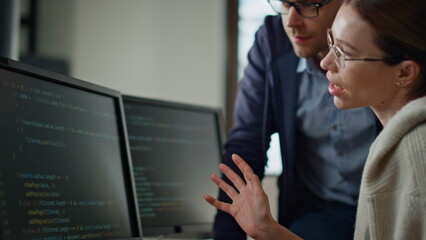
346, 44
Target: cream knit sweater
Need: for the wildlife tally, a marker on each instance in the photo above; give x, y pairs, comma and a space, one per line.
392, 202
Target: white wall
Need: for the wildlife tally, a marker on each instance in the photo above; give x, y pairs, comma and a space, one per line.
172, 50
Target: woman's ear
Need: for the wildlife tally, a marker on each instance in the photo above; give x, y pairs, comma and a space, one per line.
408, 72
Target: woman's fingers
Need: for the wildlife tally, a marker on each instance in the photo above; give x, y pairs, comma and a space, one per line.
239, 184
229, 190
232, 176
218, 204
244, 167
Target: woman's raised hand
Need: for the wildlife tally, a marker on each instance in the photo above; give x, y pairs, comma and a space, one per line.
250, 204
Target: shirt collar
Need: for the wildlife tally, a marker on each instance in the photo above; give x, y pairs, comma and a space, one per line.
307, 65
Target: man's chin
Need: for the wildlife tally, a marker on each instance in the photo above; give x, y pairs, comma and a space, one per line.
304, 52
308, 50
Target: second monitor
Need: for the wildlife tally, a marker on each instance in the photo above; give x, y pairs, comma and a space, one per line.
175, 147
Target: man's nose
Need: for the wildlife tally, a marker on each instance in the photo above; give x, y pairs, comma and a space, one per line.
294, 19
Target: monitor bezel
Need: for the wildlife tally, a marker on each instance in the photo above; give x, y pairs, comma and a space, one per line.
45, 75
219, 118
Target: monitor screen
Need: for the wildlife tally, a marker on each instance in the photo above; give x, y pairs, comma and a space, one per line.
65, 170
175, 147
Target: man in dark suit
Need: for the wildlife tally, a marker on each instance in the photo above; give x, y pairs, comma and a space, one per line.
323, 148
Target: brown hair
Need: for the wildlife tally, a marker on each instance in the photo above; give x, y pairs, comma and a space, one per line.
400, 31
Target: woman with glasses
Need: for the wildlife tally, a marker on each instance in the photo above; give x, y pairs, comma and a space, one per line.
377, 58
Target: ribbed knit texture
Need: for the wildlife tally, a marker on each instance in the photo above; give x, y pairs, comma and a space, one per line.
392, 202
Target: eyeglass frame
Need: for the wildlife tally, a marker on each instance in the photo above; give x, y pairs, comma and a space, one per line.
340, 61
294, 4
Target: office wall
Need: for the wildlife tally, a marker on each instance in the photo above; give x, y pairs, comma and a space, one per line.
172, 50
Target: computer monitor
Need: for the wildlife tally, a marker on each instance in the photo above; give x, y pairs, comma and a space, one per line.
65, 169
175, 148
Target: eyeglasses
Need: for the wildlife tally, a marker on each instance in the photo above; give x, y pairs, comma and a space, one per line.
340, 57
305, 9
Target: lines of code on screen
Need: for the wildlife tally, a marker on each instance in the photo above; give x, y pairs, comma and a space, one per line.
174, 151
61, 175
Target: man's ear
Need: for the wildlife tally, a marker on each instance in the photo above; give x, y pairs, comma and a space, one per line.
408, 72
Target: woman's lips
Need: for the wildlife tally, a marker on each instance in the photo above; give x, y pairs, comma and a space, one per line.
334, 89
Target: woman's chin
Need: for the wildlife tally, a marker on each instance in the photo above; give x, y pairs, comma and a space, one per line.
341, 104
